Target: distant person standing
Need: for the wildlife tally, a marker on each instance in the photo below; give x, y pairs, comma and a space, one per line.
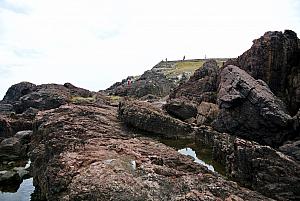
183, 58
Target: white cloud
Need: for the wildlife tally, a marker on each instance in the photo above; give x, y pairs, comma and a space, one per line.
97, 42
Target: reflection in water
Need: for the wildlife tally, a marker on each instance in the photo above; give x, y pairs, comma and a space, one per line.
17, 191
192, 153
201, 155
23, 193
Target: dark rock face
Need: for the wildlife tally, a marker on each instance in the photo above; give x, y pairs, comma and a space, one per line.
78, 91
151, 82
275, 58
202, 86
17, 91
11, 149
84, 153
144, 116
42, 97
10, 124
291, 149
16, 147
9, 177
258, 167
250, 110
6, 109
181, 109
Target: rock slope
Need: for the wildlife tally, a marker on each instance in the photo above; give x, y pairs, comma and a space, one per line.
84, 153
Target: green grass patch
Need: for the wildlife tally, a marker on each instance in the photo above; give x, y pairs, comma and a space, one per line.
183, 66
79, 99
114, 98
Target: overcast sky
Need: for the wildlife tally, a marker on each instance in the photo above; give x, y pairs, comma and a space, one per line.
94, 43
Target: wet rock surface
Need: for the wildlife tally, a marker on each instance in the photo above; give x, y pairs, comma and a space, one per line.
144, 116
84, 153
258, 167
202, 86
275, 58
250, 110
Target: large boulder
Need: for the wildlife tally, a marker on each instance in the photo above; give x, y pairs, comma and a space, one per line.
181, 108
259, 167
275, 59
12, 149
250, 110
144, 116
17, 91
202, 86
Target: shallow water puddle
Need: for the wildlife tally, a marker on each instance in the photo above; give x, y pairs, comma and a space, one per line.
17, 191
201, 155
23, 193
190, 152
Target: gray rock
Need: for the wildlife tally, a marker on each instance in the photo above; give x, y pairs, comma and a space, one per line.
7, 177
144, 116
275, 58
24, 136
6, 108
17, 91
181, 109
23, 173
250, 110
207, 113
11, 149
291, 149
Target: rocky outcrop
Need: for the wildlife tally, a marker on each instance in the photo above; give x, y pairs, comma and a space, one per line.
275, 59
255, 166
291, 149
84, 153
250, 110
11, 149
26, 95
11, 124
150, 82
17, 91
16, 147
181, 109
207, 113
144, 116
202, 86
6, 109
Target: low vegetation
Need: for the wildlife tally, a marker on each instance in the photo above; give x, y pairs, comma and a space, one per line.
80, 99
